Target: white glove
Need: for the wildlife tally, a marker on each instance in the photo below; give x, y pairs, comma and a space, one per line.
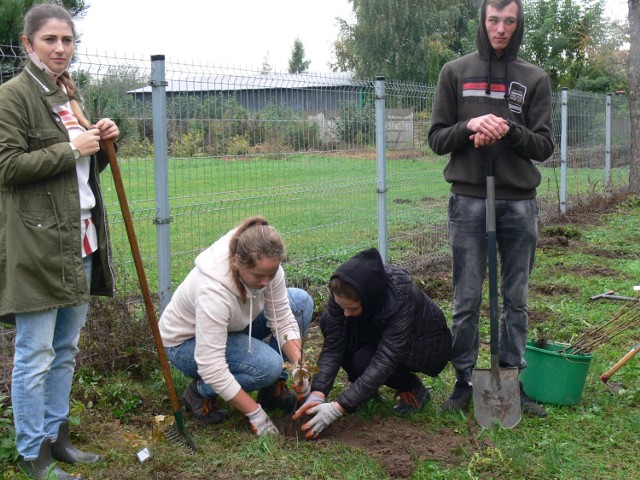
316, 398
300, 382
324, 415
261, 423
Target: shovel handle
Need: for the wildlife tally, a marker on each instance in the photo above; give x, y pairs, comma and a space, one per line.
632, 353
492, 252
109, 148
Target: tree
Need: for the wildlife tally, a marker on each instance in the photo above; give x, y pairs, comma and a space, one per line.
634, 87
405, 40
575, 44
266, 65
12, 13
297, 63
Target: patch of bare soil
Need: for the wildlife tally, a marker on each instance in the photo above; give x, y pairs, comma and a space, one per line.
551, 289
553, 242
536, 317
586, 271
591, 210
397, 443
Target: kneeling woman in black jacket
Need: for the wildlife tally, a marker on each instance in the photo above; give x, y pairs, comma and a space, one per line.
381, 328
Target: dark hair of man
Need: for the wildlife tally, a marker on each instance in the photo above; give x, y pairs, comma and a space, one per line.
343, 289
500, 4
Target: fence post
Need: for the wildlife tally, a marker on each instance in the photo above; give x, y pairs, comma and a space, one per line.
381, 140
607, 147
161, 177
563, 151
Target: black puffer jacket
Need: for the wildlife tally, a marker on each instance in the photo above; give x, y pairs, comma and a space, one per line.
407, 326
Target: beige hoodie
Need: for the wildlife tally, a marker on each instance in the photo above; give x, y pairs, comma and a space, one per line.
207, 306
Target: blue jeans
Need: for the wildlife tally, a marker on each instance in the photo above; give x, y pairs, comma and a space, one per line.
517, 234
255, 369
44, 361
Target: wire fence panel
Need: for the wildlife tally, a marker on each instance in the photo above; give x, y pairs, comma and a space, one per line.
299, 149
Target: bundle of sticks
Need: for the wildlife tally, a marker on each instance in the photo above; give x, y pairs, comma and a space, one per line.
628, 317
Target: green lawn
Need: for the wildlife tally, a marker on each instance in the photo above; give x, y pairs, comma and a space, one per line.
326, 206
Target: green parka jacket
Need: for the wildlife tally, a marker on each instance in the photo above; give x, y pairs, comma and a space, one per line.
40, 240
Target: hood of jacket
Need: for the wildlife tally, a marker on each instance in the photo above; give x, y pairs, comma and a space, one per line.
488, 54
366, 274
482, 37
214, 262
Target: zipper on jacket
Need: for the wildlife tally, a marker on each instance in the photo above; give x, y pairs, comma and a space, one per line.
55, 214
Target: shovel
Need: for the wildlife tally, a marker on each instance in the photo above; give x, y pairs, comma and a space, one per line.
496, 391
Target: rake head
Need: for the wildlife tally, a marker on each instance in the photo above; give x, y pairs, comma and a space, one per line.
180, 437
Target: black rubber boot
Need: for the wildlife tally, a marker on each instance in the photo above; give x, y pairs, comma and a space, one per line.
529, 406
63, 451
43, 467
459, 399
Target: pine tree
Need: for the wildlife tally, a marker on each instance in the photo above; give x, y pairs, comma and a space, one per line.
297, 63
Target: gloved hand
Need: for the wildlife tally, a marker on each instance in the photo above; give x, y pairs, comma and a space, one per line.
300, 382
324, 415
261, 423
316, 398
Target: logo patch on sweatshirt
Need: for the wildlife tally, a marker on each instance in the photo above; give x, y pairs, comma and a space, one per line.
517, 92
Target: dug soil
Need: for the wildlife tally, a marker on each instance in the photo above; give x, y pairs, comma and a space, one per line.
396, 443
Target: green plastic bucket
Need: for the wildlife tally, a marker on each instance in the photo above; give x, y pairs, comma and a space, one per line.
552, 376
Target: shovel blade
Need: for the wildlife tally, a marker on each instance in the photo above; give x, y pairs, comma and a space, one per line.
496, 397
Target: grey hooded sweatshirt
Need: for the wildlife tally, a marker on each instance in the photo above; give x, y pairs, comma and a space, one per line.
481, 83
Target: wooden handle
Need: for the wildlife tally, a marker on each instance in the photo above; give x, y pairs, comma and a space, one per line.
142, 278
605, 376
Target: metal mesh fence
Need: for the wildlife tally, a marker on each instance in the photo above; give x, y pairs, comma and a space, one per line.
299, 150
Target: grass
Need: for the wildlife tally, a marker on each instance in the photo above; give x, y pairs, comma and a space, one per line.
325, 205
595, 439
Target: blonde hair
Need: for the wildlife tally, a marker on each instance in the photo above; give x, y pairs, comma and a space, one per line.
34, 20
254, 240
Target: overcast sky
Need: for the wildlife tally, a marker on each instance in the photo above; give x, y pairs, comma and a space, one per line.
226, 32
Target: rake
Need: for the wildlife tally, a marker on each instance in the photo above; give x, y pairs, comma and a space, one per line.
176, 433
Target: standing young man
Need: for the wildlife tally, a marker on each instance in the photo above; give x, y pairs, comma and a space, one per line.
492, 105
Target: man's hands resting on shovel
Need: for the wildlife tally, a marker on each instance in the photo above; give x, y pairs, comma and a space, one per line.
324, 414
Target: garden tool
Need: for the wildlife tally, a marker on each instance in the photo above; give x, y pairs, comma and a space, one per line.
610, 295
176, 432
632, 353
496, 391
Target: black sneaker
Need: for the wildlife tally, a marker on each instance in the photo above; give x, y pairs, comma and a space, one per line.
411, 400
277, 395
529, 406
459, 399
202, 408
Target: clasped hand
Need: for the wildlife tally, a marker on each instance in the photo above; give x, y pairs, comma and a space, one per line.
487, 129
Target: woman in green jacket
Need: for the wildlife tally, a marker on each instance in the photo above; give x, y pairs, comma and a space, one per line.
54, 250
